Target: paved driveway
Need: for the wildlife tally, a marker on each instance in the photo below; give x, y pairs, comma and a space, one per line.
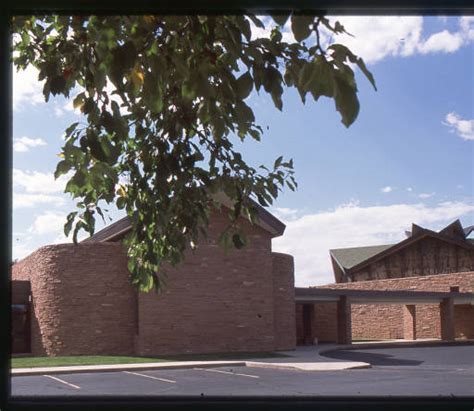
427, 371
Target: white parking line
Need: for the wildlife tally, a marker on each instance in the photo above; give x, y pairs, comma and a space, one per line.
64, 382
227, 372
149, 376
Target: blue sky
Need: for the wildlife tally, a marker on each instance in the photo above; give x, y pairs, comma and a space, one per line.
408, 158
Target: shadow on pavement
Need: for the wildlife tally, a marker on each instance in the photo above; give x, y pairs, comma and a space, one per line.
371, 358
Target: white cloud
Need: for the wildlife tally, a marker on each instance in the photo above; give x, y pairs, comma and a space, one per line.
258, 32
409, 189
464, 128
23, 144
467, 26
386, 189
310, 237
26, 87
22, 200
21, 249
443, 41
378, 37
285, 212
38, 182
426, 195
49, 223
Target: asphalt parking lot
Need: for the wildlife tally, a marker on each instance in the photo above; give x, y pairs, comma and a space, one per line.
427, 371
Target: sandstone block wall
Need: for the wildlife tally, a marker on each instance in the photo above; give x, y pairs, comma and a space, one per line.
82, 302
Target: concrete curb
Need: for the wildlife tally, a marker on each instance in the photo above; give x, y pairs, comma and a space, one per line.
399, 344
16, 372
301, 366
311, 366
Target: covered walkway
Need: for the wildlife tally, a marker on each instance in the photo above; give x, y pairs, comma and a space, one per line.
345, 298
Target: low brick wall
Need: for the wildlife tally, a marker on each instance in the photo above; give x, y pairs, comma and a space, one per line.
386, 321
82, 302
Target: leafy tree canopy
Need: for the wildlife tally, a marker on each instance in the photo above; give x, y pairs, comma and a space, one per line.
162, 98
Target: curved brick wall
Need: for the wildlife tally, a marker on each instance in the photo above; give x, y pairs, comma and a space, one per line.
82, 300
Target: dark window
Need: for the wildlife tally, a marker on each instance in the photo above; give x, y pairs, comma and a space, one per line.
20, 328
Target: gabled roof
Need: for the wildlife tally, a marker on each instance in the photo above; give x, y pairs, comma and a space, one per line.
468, 230
118, 229
349, 257
454, 230
354, 259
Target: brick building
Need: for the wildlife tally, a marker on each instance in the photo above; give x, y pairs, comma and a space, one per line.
77, 299
82, 301
426, 261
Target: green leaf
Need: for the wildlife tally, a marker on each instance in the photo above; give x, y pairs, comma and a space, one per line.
121, 203
256, 21
224, 240
244, 85
346, 99
280, 19
360, 63
322, 80
57, 85
239, 240
95, 146
300, 26
278, 162
244, 113
188, 90
69, 222
62, 168
306, 75
78, 101
70, 129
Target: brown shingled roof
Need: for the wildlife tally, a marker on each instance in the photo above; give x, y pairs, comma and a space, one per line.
353, 259
117, 230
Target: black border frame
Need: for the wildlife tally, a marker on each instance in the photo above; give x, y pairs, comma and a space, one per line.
341, 7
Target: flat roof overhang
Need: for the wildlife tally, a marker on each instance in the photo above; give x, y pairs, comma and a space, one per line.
322, 295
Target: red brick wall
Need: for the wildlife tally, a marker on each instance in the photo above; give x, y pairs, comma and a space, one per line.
83, 302
325, 324
216, 302
81, 298
385, 321
283, 301
464, 321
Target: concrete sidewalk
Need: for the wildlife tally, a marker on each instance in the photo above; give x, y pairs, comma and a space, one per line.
303, 358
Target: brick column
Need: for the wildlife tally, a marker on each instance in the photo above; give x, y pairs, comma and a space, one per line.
446, 309
344, 329
409, 322
308, 324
